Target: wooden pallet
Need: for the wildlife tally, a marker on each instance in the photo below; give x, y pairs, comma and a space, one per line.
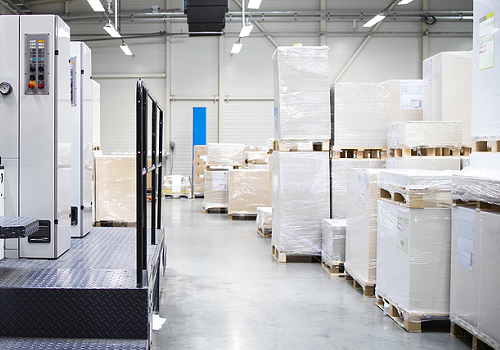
466, 151
368, 288
416, 200
221, 167
177, 195
284, 257
423, 151
266, 233
482, 146
359, 153
301, 146
412, 322
235, 216
335, 268
220, 210
108, 223
478, 343
478, 205
198, 195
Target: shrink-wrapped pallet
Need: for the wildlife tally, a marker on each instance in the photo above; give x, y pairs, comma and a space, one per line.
413, 259
215, 189
406, 100
300, 201
247, 190
333, 241
176, 185
301, 93
199, 162
115, 188
427, 134
264, 219
339, 172
481, 185
225, 154
361, 231
448, 89
424, 163
256, 157
362, 112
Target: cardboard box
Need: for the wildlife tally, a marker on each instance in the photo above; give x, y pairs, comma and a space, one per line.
215, 189
247, 190
199, 162
225, 154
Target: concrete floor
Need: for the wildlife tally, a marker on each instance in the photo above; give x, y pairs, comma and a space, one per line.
224, 290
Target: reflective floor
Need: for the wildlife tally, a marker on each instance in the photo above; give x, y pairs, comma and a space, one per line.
224, 290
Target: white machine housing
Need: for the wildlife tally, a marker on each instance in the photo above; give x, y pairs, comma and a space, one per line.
81, 139
2, 190
35, 137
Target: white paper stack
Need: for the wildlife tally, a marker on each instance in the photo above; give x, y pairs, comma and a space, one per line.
425, 134
333, 244
361, 114
225, 154
448, 89
247, 190
300, 201
425, 163
406, 100
264, 219
339, 172
301, 93
361, 231
215, 189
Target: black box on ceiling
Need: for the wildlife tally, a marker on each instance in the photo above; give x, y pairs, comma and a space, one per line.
206, 17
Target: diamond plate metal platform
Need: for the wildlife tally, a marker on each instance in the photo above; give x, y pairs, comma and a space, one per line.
15, 227
71, 344
89, 292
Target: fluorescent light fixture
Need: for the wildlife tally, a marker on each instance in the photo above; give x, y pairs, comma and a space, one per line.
236, 47
126, 49
246, 30
96, 5
374, 20
254, 4
404, 2
111, 31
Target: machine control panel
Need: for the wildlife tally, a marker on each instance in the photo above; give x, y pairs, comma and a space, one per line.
37, 60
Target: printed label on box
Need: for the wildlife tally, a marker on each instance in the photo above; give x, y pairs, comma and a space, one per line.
219, 181
362, 189
410, 92
465, 238
402, 229
486, 41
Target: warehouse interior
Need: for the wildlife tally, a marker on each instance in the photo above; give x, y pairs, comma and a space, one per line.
243, 174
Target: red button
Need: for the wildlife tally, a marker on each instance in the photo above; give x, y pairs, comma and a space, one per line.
40, 86
31, 85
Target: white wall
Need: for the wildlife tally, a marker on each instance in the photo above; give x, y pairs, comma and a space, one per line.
194, 63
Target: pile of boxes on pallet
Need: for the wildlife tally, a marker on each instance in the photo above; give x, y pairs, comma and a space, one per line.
199, 162
300, 178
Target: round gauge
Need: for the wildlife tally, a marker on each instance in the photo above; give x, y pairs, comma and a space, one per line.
5, 88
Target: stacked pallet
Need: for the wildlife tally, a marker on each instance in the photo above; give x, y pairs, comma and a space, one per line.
413, 246
333, 245
248, 189
301, 171
264, 221
199, 162
177, 186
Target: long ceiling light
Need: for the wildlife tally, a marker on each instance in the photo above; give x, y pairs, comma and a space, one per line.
236, 47
111, 30
126, 49
374, 20
404, 2
246, 30
255, 4
96, 5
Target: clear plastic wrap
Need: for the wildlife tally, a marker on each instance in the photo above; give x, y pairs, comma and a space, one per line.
425, 163
247, 190
362, 112
333, 241
448, 89
361, 231
301, 199
425, 134
339, 172
225, 154
176, 184
261, 148
406, 100
485, 160
301, 93
482, 185
199, 162
115, 188
413, 259
416, 188
256, 157
265, 219
215, 189
465, 162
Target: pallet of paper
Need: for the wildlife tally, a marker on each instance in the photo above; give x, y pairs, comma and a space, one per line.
225, 154
215, 189
424, 163
199, 162
301, 199
448, 89
115, 188
176, 184
362, 112
333, 241
482, 185
301, 93
265, 218
339, 173
247, 190
406, 100
361, 231
425, 134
